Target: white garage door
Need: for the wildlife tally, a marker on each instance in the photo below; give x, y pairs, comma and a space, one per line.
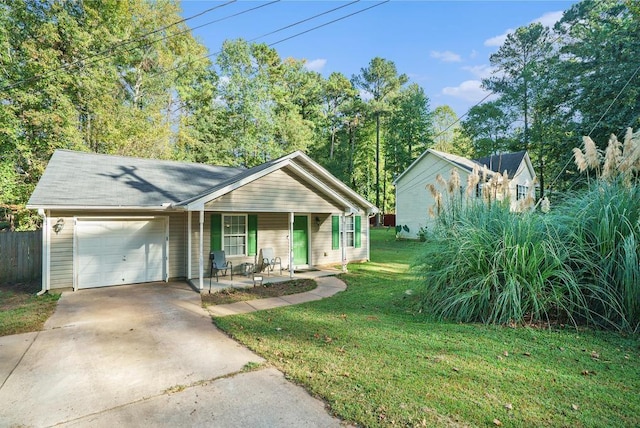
114, 252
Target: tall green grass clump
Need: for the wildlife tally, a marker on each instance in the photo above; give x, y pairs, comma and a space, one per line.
602, 225
579, 263
493, 266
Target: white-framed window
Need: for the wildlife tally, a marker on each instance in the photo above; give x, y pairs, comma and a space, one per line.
521, 191
234, 234
349, 229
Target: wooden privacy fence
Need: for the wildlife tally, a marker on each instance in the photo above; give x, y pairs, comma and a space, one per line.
20, 256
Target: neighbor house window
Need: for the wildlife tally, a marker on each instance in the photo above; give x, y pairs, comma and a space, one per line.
234, 235
521, 191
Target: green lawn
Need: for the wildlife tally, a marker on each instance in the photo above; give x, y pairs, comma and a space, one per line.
377, 363
21, 311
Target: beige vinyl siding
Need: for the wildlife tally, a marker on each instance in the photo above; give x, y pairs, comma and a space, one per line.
61, 265
321, 252
178, 245
412, 197
279, 191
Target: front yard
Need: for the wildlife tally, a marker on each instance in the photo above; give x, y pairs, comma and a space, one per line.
377, 362
21, 311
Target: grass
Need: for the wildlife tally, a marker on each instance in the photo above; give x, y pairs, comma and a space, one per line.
376, 362
21, 311
277, 289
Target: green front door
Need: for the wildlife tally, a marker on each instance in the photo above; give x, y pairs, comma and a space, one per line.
300, 240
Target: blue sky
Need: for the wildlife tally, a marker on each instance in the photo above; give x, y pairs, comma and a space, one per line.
444, 46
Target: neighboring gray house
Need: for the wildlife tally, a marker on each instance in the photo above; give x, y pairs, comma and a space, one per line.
110, 220
413, 199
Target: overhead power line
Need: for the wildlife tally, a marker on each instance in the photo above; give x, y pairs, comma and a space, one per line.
106, 53
280, 29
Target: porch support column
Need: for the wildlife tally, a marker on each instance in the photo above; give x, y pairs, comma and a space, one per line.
344, 242
291, 265
189, 245
200, 252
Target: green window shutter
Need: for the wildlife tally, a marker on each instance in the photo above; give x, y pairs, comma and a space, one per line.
357, 239
335, 232
252, 232
216, 232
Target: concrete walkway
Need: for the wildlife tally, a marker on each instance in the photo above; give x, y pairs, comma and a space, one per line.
327, 286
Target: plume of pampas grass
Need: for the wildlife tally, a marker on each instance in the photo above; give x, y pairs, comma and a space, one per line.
612, 158
579, 159
545, 205
454, 182
432, 189
472, 181
591, 153
441, 181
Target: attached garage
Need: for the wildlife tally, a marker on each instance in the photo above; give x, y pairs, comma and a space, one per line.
120, 251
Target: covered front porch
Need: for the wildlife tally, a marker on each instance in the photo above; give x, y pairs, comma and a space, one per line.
211, 285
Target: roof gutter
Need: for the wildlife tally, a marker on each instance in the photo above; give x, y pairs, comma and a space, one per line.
164, 207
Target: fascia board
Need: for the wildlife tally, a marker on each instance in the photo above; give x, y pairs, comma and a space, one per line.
320, 186
318, 168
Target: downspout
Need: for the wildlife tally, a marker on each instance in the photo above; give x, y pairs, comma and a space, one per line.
189, 245
344, 244
200, 256
45, 252
291, 266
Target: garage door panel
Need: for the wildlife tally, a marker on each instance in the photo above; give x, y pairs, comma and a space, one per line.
113, 252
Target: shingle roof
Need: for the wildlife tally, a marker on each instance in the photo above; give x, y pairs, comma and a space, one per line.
96, 180
504, 161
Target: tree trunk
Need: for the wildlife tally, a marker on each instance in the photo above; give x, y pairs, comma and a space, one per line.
378, 167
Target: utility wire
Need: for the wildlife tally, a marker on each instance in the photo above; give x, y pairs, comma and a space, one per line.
330, 22
302, 21
600, 120
278, 30
106, 53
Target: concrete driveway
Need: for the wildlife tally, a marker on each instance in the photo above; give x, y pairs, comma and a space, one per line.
142, 355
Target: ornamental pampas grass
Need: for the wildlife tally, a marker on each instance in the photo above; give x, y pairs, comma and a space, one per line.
591, 153
579, 159
612, 158
472, 181
454, 182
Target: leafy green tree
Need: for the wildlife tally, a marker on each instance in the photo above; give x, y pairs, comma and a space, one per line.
381, 81
409, 130
597, 65
489, 127
445, 122
519, 75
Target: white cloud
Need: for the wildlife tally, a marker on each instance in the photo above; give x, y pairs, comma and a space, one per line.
498, 40
469, 90
473, 54
481, 71
548, 20
446, 56
315, 64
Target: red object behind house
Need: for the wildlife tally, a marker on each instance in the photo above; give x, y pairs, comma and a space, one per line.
388, 220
